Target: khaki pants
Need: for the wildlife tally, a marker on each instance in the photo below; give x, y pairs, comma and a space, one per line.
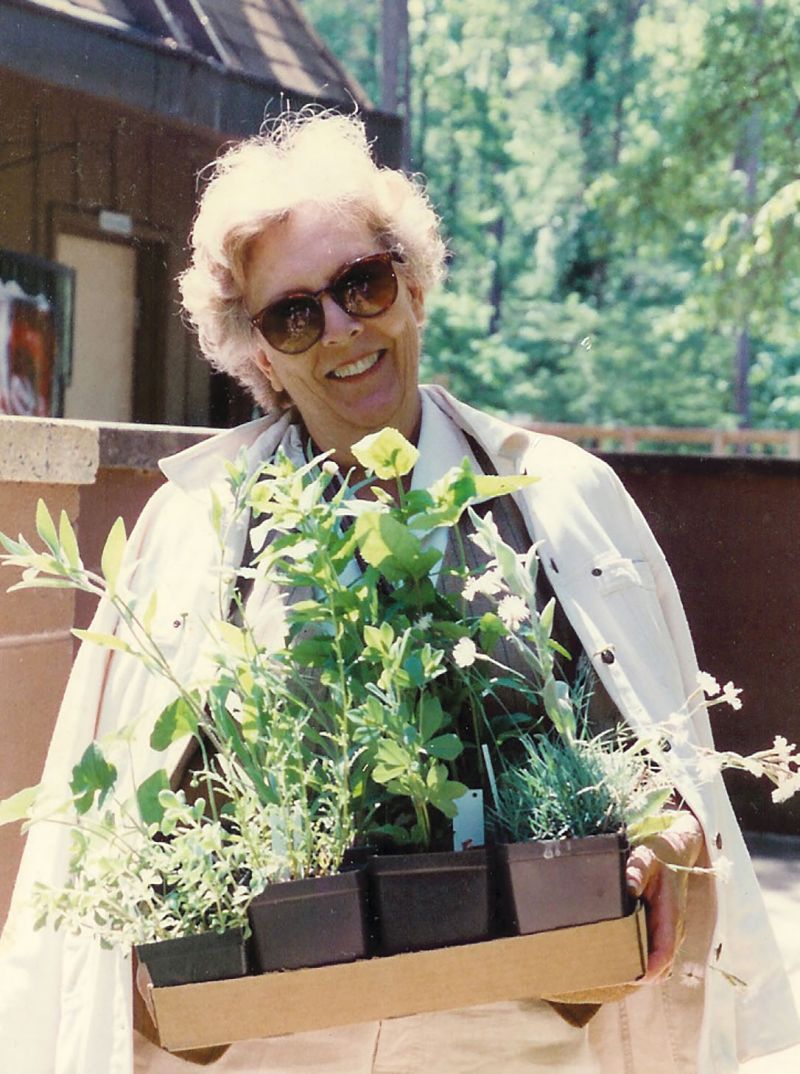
502, 1038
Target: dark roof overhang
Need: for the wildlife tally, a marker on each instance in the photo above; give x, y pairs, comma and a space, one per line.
117, 63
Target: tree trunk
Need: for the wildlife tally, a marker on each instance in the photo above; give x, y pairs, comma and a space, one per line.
741, 381
496, 290
395, 81
747, 160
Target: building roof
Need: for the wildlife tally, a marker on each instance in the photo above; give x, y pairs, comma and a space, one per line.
223, 65
268, 40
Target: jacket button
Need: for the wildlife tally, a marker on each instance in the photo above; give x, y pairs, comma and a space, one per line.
718, 952
607, 656
553, 565
597, 571
718, 841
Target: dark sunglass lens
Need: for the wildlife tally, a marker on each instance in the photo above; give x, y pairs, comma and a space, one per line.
293, 324
367, 288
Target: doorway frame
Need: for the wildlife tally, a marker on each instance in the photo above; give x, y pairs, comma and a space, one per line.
151, 246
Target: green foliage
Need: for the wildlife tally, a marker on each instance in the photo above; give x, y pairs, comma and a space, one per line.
93, 777
353, 33
590, 786
177, 874
618, 185
177, 720
365, 704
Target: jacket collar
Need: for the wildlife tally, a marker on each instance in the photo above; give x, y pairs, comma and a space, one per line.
201, 465
503, 442
197, 467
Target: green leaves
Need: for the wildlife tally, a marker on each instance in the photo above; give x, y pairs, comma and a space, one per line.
392, 761
458, 489
106, 641
18, 806
93, 777
151, 809
176, 721
407, 761
45, 527
431, 717
445, 747
392, 548
113, 551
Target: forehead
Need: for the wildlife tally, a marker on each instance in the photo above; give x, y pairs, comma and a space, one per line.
301, 253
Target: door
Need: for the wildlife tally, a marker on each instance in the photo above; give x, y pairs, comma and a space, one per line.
101, 387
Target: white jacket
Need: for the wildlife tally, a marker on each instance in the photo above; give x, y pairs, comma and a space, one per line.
65, 1004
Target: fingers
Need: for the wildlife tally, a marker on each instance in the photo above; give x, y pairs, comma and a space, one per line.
650, 880
641, 864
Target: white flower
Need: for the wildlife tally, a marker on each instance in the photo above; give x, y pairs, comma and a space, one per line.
424, 621
679, 735
707, 683
488, 584
330, 467
708, 765
513, 611
787, 788
677, 722
723, 868
784, 749
470, 590
465, 652
730, 694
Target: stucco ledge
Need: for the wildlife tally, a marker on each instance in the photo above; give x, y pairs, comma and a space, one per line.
65, 452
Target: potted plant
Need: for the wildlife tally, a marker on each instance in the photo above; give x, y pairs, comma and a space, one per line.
267, 770
380, 641
562, 798
562, 815
367, 721
153, 872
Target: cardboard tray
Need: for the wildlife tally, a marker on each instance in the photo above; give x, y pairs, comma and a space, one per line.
519, 967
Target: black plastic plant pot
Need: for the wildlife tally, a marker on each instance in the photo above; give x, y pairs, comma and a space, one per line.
357, 857
208, 956
312, 922
557, 883
431, 900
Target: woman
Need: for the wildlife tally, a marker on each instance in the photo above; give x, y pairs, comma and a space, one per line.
308, 281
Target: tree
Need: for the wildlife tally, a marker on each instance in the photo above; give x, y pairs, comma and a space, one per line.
619, 186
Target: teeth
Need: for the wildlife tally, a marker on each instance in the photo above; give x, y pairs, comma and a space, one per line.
361, 366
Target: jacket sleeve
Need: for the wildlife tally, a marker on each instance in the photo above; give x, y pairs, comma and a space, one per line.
50, 1017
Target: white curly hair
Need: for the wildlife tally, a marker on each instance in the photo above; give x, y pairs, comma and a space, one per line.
318, 158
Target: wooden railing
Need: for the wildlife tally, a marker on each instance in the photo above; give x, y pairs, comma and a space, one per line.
780, 442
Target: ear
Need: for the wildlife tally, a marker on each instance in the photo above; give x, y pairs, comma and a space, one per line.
263, 362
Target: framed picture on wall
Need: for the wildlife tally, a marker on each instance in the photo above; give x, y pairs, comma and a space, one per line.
36, 321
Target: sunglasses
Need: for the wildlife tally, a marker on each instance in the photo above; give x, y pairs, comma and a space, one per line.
363, 288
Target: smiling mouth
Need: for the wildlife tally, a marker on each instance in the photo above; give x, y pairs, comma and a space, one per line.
355, 368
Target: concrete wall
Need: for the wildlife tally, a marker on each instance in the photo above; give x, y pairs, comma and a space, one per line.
728, 526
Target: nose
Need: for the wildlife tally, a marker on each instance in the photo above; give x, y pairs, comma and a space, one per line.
340, 326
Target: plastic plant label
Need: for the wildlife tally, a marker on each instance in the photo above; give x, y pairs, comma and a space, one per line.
468, 827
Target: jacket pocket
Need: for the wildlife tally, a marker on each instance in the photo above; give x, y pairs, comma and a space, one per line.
614, 573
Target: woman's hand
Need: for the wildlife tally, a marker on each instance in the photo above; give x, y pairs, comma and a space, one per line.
663, 890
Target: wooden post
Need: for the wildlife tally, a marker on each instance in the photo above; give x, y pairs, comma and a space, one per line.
395, 67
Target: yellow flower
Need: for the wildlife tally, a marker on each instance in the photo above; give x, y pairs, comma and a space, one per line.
387, 453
